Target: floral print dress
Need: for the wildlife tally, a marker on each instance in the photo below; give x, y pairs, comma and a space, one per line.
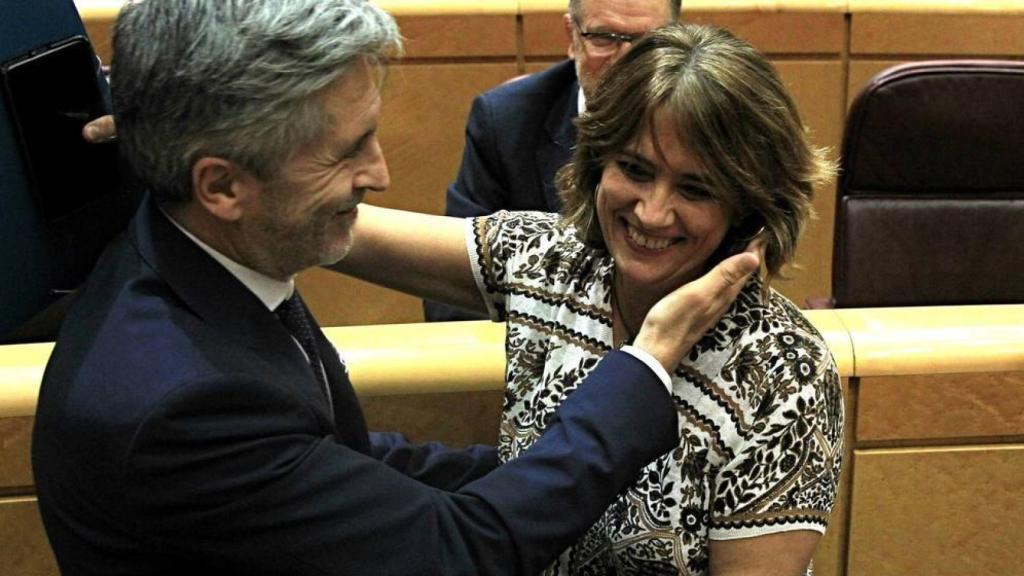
759, 403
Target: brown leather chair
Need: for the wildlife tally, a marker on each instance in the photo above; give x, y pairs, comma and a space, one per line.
930, 207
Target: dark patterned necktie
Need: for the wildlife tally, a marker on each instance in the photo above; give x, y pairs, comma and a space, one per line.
293, 315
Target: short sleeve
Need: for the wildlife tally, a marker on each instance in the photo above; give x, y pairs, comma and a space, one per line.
784, 473
501, 247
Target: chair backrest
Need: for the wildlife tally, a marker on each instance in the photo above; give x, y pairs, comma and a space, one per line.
60, 202
930, 206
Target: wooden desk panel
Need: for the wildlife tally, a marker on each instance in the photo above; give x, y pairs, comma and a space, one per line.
940, 512
456, 419
941, 407
15, 455
26, 551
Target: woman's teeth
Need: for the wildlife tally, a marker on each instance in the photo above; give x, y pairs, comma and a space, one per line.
646, 241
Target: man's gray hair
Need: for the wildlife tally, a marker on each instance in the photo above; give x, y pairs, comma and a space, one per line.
233, 79
674, 7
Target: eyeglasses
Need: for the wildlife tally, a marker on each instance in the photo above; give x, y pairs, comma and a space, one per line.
603, 42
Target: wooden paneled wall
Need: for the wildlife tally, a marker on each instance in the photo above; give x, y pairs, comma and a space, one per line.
824, 50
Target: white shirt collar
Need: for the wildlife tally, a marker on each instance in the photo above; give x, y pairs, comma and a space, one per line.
270, 291
581, 103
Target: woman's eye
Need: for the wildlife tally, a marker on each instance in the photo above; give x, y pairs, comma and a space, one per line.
634, 171
693, 192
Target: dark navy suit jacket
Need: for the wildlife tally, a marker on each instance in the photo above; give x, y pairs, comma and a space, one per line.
517, 137
180, 430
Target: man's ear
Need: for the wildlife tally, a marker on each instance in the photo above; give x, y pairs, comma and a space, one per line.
222, 187
568, 25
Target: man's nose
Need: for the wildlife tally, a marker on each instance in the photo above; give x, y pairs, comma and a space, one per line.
374, 175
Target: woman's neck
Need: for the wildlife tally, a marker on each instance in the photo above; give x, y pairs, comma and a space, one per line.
629, 308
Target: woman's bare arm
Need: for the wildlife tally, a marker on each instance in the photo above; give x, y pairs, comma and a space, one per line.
781, 554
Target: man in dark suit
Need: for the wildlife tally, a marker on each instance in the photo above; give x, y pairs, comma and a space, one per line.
194, 420
520, 133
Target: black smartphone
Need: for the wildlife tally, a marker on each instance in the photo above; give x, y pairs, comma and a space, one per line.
51, 93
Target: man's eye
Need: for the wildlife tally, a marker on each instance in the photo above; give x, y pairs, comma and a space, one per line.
634, 171
601, 40
353, 153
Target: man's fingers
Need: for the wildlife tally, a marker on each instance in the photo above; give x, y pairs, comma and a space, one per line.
99, 130
728, 277
734, 270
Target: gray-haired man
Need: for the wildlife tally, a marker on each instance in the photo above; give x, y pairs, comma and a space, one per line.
184, 427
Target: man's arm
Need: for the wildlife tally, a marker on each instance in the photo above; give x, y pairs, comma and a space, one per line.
257, 487
252, 484
433, 463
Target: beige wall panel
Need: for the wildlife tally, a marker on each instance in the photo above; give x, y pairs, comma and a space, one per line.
427, 36
935, 406
937, 34
544, 34
422, 132
26, 551
778, 32
538, 66
830, 557
940, 512
817, 88
456, 419
15, 455
461, 36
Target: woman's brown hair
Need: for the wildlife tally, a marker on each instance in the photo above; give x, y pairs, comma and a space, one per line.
730, 109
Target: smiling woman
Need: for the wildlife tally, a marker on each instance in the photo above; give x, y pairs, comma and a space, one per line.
689, 147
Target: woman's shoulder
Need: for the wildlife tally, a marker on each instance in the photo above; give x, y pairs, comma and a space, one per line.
530, 235
536, 249
765, 329
766, 314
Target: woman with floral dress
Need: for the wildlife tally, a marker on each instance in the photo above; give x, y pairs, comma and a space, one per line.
690, 147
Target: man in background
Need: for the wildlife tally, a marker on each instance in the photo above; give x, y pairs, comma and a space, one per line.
519, 134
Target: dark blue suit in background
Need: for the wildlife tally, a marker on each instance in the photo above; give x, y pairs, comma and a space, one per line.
180, 430
517, 137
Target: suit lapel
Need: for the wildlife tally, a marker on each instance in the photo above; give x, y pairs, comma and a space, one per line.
561, 137
220, 300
